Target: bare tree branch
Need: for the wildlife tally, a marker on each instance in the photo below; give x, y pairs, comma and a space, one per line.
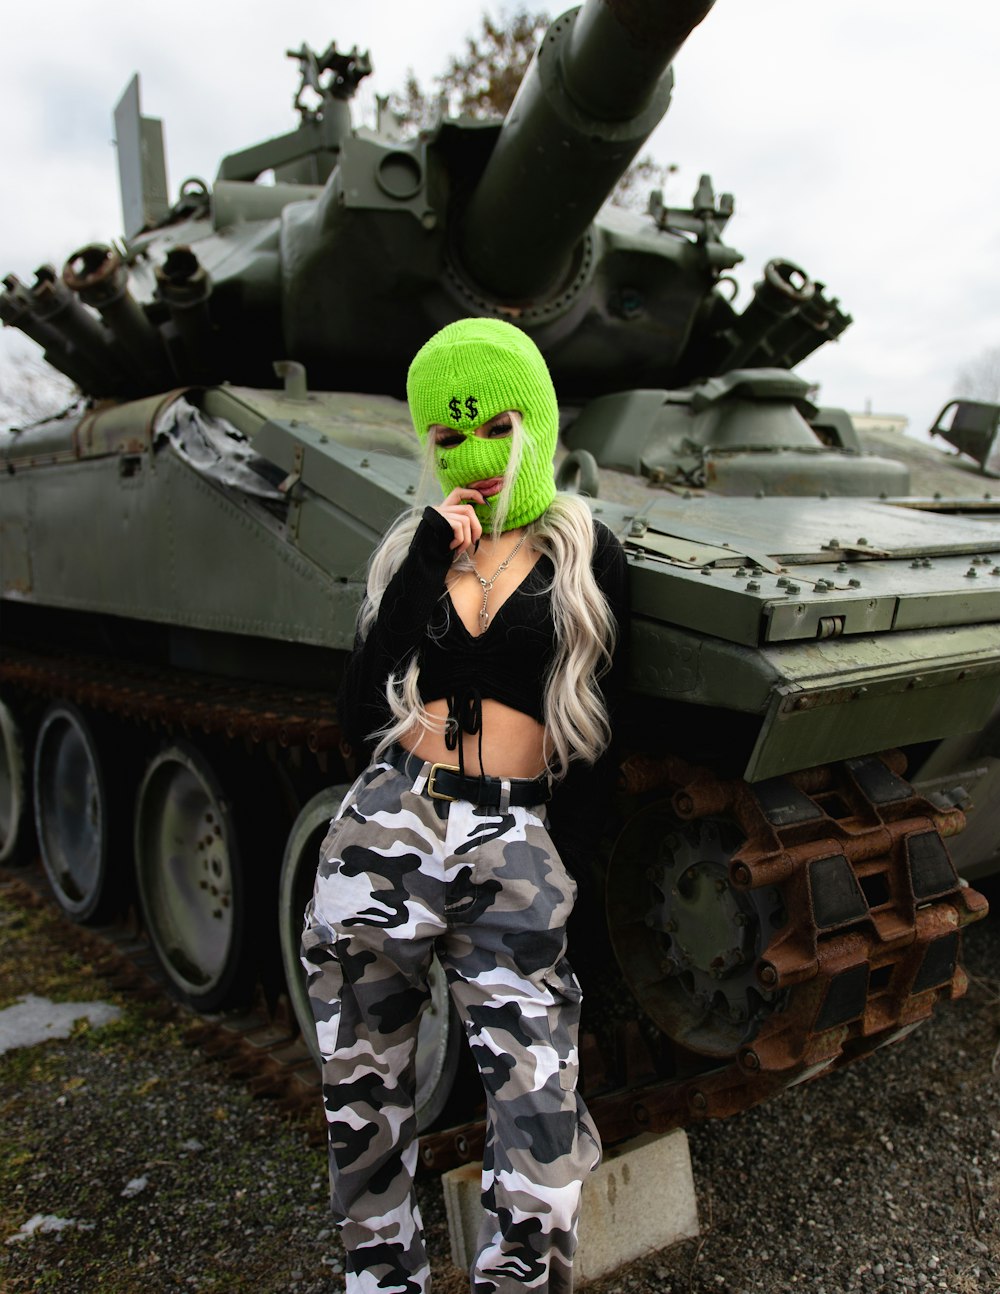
482, 82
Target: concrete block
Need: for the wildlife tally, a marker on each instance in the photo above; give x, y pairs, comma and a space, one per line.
639, 1200
464, 1211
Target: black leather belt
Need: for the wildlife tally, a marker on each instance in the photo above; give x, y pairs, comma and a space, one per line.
445, 782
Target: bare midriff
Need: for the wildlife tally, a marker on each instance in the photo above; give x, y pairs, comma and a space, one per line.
513, 744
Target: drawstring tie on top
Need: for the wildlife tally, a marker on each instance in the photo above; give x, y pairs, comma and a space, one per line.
465, 715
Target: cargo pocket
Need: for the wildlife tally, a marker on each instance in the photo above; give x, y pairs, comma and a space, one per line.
564, 1021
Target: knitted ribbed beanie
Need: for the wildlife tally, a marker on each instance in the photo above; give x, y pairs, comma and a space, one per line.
465, 375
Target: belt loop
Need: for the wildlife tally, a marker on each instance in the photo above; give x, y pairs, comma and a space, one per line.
420, 781
504, 805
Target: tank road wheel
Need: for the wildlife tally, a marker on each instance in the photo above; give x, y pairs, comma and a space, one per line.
440, 1031
686, 940
73, 815
15, 817
190, 880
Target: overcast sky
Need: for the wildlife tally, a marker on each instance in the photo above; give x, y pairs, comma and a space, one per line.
858, 137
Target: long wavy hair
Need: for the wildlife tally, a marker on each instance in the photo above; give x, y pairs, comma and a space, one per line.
576, 717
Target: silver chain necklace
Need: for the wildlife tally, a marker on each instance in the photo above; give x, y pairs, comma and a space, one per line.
484, 615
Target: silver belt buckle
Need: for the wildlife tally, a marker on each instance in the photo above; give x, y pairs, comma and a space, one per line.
435, 769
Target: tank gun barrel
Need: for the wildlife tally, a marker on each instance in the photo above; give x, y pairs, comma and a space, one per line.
598, 86
617, 53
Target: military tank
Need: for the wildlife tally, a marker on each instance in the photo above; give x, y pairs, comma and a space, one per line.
815, 654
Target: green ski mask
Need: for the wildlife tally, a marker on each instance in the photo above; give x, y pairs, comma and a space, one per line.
465, 375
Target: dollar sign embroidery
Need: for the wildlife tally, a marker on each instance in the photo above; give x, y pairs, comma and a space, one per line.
471, 406
456, 408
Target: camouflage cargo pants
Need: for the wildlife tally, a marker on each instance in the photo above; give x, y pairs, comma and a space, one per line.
401, 877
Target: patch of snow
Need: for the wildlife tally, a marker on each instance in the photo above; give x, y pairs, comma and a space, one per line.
32, 1020
43, 1223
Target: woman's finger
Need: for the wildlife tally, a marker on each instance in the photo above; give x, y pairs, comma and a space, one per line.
459, 523
466, 523
460, 494
463, 521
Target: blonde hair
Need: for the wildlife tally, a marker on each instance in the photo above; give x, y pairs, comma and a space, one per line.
575, 715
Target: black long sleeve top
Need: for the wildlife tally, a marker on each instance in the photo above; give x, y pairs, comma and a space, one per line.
508, 663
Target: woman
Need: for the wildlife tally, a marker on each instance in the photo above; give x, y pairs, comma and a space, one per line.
480, 676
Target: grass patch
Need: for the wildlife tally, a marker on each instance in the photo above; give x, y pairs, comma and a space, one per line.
34, 958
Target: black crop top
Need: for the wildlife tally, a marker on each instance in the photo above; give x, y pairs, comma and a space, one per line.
508, 663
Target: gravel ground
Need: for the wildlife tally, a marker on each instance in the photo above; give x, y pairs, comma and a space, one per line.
167, 1176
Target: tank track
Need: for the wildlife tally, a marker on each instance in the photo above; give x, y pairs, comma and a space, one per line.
174, 700
871, 942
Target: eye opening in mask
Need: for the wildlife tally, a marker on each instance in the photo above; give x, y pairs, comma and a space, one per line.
495, 428
501, 425
446, 438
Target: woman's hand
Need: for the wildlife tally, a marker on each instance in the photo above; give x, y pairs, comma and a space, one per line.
461, 516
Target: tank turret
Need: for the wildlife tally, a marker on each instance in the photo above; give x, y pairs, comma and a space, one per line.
366, 243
